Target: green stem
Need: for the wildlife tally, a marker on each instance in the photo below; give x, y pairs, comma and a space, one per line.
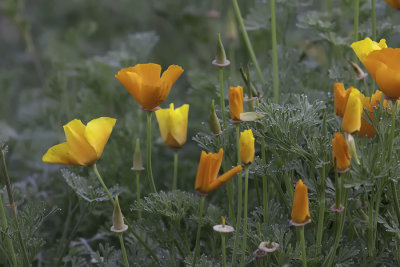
196, 248
337, 190
222, 98
265, 183
240, 201
121, 240
289, 186
246, 190
391, 137
373, 18
321, 212
149, 171
5, 226
274, 53
355, 27
138, 191
395, 200
223, 250
141, 241
370, 225
13, 206
303, 246
247, 41
175, 170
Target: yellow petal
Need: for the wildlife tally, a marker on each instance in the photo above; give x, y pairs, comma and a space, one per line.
223, 178
59, 154
300, 209
79, 148
170, 76
352, 116
97, 133
364, 47
247, 147
178, 124
162, 116
132, 83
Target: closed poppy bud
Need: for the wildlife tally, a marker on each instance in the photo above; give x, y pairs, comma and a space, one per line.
300, 210
340, 96
215, 126
246, 147
206, 178
220, 58
85, 143
173, 125
144, 83
236, 102
352, 116
118, 219
394, 3
340, 152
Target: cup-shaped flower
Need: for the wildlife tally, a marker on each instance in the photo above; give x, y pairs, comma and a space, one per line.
340, 97
246, 147
144, 83
235, 102
340, 152
84, 145
300, 210
394, 3
206, 179
173, 125
352, 116
382, 63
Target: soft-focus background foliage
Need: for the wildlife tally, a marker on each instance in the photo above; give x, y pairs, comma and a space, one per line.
58, 61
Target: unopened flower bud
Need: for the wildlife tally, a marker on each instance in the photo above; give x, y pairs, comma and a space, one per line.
220, 59
137, 158
352, 147
215, 126
118, 219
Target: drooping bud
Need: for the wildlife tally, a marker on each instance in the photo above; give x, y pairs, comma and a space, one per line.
220, 59
137, 158
352, 147
360, 73
118, 219
215, 126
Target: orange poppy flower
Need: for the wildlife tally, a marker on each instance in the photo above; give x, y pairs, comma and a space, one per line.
300, 209
206, 178
235, 102
144, 83
340, 97
394, 3
340, 152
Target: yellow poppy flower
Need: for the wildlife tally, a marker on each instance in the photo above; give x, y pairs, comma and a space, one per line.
206, 178
85, 144
352, 116
340, 152
235, 102
300, 210
247, 147
394, 3
144, 83
173, 125
382, 63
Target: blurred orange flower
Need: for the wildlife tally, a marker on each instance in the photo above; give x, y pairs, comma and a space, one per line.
206, 179
144, 83
394, 3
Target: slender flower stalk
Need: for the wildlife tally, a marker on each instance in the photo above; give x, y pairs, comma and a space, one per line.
303, 246
265, 183
274, 52
247, 40
246, 193
121, 241
174, 185
222, 98
223, 230
149, 170
196, 248
5, 226
321, 212
240, 198
355, 25
13, 207
373, 19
